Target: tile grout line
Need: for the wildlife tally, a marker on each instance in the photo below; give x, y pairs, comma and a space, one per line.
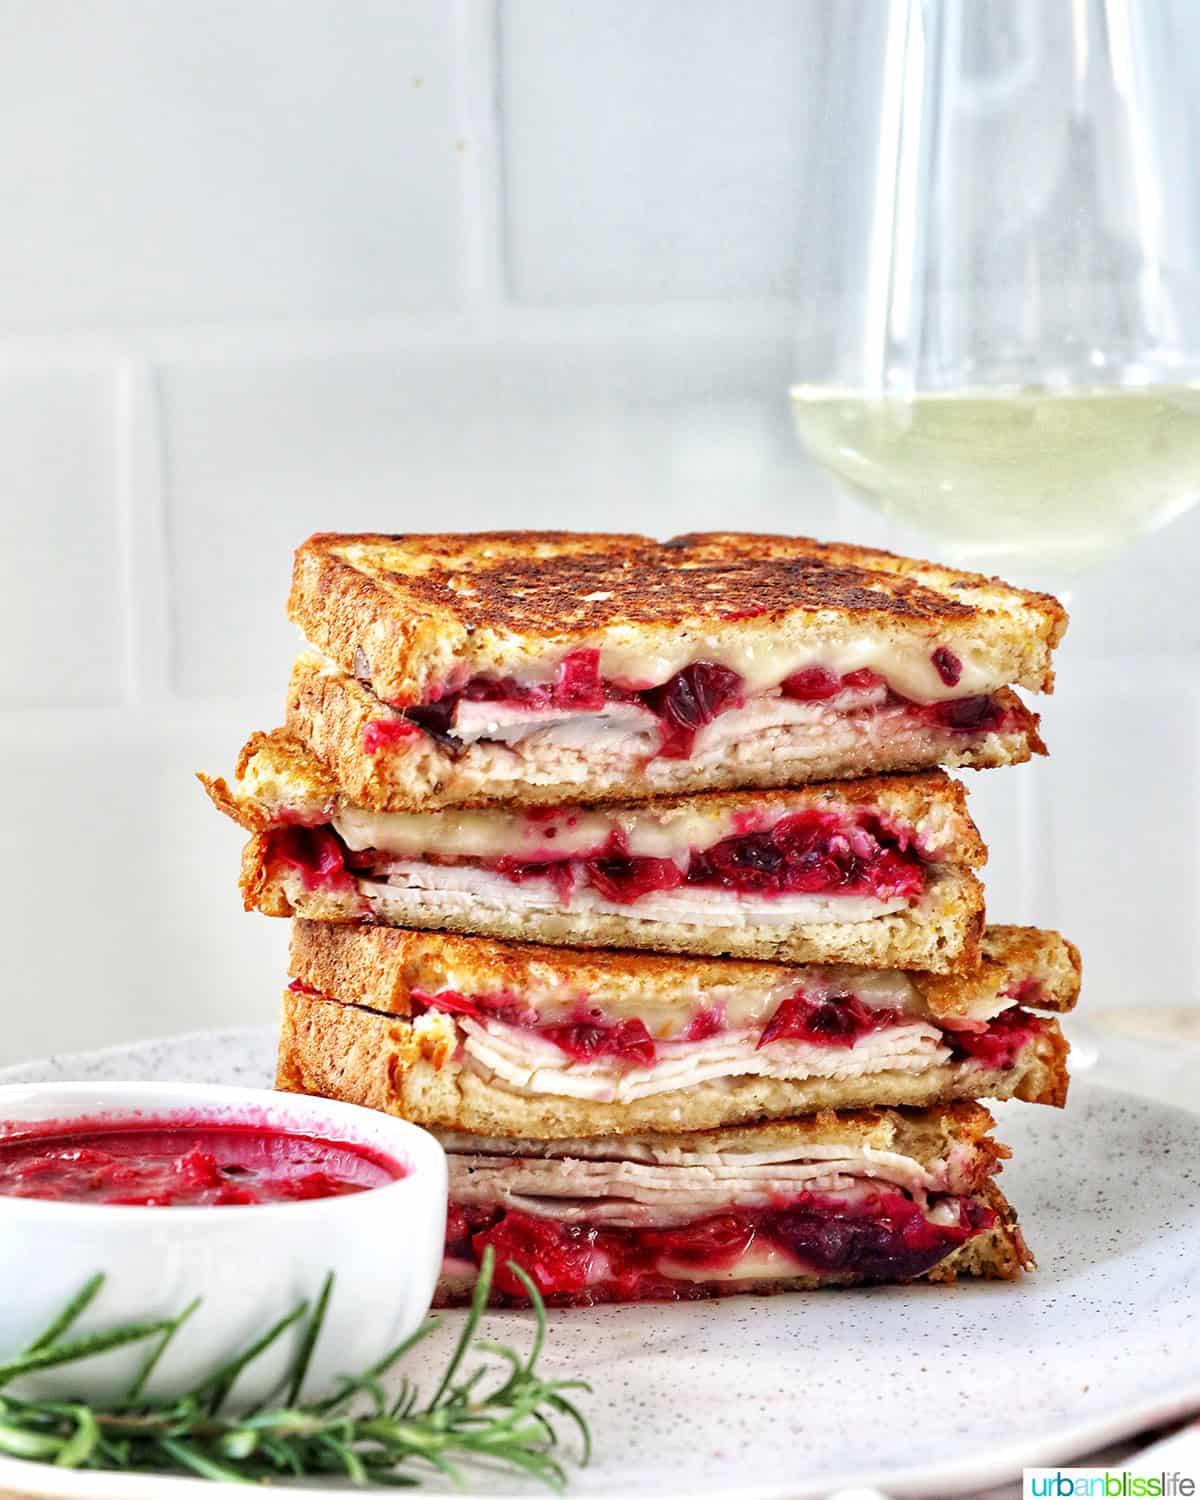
483, 281
458, 328
140, 490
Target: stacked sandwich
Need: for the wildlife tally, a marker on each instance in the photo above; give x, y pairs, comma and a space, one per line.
628, 867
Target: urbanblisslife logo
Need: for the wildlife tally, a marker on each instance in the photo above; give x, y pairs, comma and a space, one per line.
1107, 1484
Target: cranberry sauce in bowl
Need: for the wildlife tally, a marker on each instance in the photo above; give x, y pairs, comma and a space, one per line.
243, 1197
173, 1163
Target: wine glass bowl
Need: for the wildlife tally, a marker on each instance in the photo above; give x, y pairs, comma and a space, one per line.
1023, 478
1004, 347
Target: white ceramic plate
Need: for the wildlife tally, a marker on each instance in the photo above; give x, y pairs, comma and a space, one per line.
917, 1390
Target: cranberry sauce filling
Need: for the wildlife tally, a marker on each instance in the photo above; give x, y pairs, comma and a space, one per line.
171, 1165
971, 715
689, 701
814, 684
500, 1007
692, 698
997, 1046
684, 704
814, 853
805, 853
837, 1021
385, 734
949, 668
586, 1035
885, 1237
626, 1041
317, 853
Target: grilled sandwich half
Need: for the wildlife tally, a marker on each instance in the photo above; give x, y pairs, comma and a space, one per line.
878, 871
519, 1040
542, 667
830, 1200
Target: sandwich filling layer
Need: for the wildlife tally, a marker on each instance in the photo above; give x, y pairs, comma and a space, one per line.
759, 863
840, 1023
701, 710
621, 1224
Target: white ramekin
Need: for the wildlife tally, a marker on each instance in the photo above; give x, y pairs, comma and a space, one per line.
249, 1263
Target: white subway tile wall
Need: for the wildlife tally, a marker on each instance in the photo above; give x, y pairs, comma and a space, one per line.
205, 162
61, 576
274, 268
662, 143
494, 433
122, 916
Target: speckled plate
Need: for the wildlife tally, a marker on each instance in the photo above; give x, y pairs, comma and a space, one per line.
917, 1390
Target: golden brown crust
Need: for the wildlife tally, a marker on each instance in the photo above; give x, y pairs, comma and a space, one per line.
1047, 1078
982, 592
344, 608
1043, 962
260, 886
225, 800
380, 967
278, 780
394, 1070
603, 581
1051, 959
402, 608
1025, 736
331, 711
1000, 1253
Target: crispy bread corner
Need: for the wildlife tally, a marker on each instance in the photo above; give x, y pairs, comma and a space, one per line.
1043, 963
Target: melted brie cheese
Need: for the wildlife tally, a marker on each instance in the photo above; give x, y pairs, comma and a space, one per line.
763, 662
763, 1261
738, 1004
484, 833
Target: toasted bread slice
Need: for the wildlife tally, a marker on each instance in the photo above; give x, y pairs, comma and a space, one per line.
352, 732
829, 1200
383, 968
410, 613
466, 872
927, 1137
1035, 967
277, 781
509, 1039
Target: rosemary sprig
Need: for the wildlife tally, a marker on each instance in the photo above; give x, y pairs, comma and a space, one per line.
503, 1412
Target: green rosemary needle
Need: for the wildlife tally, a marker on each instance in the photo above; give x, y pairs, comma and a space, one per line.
502, 1412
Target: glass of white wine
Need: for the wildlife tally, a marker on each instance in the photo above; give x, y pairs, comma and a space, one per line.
1001, 344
